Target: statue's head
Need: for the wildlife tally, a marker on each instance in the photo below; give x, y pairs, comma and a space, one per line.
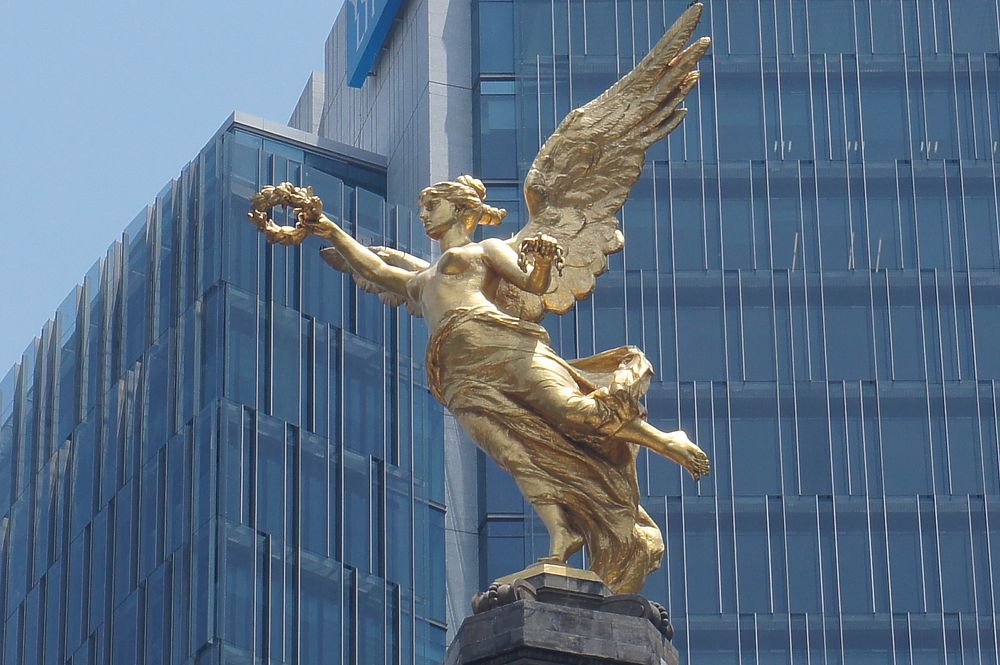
460, 201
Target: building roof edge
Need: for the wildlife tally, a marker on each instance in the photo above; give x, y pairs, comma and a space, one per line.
304, 139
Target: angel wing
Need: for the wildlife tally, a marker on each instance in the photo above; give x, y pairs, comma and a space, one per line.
393, 257
584, 171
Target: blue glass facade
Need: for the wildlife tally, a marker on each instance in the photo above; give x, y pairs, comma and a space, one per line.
812, 263
207, 456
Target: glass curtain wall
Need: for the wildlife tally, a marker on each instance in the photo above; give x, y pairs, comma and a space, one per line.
812, 263
206, 456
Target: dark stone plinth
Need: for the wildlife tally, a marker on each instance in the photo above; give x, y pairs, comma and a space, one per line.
551, 616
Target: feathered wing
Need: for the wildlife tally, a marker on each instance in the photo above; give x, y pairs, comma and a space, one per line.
584, 171
393, 257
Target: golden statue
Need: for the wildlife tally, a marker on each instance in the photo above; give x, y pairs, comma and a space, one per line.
568, 431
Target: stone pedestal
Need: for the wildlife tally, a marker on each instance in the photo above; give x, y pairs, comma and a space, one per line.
550, 614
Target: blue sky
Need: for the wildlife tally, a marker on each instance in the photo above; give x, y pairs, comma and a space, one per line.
101, 103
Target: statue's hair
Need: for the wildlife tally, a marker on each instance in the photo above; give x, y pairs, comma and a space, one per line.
466, 194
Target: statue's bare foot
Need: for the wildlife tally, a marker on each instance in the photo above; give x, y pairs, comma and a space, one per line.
690, 456
564, 544
564, 541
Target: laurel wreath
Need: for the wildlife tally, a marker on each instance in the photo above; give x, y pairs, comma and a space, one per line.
307, 206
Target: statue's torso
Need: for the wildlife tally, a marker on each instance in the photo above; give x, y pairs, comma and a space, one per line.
459, 278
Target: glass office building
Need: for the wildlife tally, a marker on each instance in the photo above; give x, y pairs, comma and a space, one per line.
208, 454
219, 451
812, 265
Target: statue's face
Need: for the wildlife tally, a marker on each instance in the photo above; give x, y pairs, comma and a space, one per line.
437, 215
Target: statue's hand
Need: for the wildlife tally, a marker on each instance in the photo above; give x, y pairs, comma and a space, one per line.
282, 235
542, 251
318, 226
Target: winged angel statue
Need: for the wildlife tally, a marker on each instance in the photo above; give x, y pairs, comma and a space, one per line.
568, 431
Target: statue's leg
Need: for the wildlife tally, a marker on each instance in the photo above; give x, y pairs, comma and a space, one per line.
565, 408
564, 542
675, 445
495, 440
571, 412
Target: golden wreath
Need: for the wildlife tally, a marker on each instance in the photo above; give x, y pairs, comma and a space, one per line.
307, 206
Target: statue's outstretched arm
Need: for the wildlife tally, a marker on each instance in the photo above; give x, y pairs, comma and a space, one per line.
311, 221
362, 260
538, 252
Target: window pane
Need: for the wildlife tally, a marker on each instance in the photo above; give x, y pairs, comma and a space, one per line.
904, 556
321, 613
285, 357
364, 397
270, 483
974, 26
498, 143
887, 26
496, 37
741, 117
831, 26
803, 556
905, 450
744, 25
